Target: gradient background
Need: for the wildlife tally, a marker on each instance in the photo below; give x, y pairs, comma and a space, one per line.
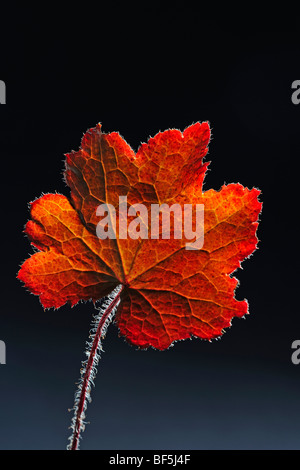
138, 71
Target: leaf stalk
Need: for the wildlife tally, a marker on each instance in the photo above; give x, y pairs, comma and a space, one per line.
101, 321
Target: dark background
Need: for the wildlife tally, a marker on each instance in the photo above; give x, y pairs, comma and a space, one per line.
139, 70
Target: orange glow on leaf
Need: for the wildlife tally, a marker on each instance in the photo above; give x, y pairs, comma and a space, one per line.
170, 293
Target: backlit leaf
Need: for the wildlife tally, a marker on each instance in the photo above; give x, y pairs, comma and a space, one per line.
171, 293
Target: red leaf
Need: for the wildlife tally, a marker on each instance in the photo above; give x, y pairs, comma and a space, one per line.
171, 293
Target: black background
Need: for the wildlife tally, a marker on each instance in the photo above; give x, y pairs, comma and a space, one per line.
139, 70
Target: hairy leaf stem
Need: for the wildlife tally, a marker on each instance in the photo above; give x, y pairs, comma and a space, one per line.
88, 372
